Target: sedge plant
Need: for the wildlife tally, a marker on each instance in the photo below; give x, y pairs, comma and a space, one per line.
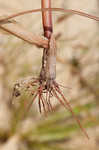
44, 87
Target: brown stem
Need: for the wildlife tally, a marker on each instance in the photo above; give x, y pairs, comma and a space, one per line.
47, 18
76, 12
21, 32
33, 40
47, 27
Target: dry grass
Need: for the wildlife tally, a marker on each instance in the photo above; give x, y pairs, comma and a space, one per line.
78, 70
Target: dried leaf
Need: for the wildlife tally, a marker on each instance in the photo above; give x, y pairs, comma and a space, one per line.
21, 32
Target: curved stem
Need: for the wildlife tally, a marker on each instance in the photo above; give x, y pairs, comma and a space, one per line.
76, 12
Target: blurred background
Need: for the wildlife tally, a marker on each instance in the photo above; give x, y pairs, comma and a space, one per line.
77, 69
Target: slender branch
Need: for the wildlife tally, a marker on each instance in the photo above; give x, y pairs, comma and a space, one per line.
22, 33
38, 40
76, 12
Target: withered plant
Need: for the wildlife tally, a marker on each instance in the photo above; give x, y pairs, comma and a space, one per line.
43, 88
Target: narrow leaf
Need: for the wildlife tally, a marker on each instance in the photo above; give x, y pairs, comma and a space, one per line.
21, 32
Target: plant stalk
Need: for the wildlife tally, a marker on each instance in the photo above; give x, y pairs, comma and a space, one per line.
47, 18
48, 71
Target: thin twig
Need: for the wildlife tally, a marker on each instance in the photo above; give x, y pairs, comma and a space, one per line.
22, 33
76, 12
28, 36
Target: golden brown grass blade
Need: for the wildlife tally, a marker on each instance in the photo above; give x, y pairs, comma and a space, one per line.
21, 32
71, 11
